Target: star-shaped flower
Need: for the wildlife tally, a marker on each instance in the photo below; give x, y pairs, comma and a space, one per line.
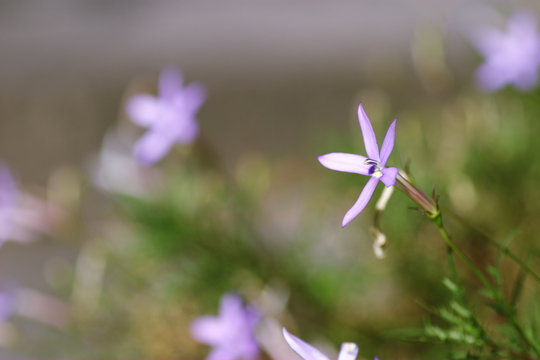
231, 333
373, 165
348, 351
169, 117
511, 57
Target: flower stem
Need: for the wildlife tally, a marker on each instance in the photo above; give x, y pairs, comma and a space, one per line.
487, 284
450, 243
503, 249
432, 211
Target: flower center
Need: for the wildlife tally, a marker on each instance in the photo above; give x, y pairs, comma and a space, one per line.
374, 168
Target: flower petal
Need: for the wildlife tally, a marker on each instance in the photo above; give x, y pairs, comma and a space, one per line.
522, 25
527, 79
370, 141
8, 188
170, 83
143, 110
302, 348
490, 78
348, 351
151, 147
362, 201
345, 162
194, 96
188, 131
209, 330
388, 143
389, 176
231, 310
488, 41
223, 353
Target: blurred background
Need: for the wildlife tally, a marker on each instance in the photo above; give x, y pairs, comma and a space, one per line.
286, 69
283, 79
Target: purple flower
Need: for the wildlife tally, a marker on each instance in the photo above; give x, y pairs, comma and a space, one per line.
170, 117
114, 169
511, 57
348, 351
373, 165
21, 215
8, 199
231, 333
7, 299
6, 305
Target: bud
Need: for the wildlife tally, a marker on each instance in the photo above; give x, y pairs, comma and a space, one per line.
428, 206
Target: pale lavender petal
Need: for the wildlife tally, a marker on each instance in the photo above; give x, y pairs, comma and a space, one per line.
8, 187
6, 306
488, 41
302, 348
151, 147
362, 201
348, 351
370, 141
526, 80
143, 110
247, 350
188, 131
231, 334
208, 330
223, 353
252, 316
194, 96
7, 299
345, 162
230, 308
490, 78
170, 83
389, 176
522, 24
388, 143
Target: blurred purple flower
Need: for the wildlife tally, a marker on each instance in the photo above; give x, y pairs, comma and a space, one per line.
511, 57
8, 198
169, 117
348, 351
231, 333
115, 169
373, 165
6, 305
7, 299
21, 216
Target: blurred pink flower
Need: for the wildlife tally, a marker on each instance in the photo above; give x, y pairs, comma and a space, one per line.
231, 333
511, 56
169, 117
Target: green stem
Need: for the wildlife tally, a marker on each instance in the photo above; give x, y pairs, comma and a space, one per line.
516, 259
450, 243
437, 220
432, 211
501, 248
523, 336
